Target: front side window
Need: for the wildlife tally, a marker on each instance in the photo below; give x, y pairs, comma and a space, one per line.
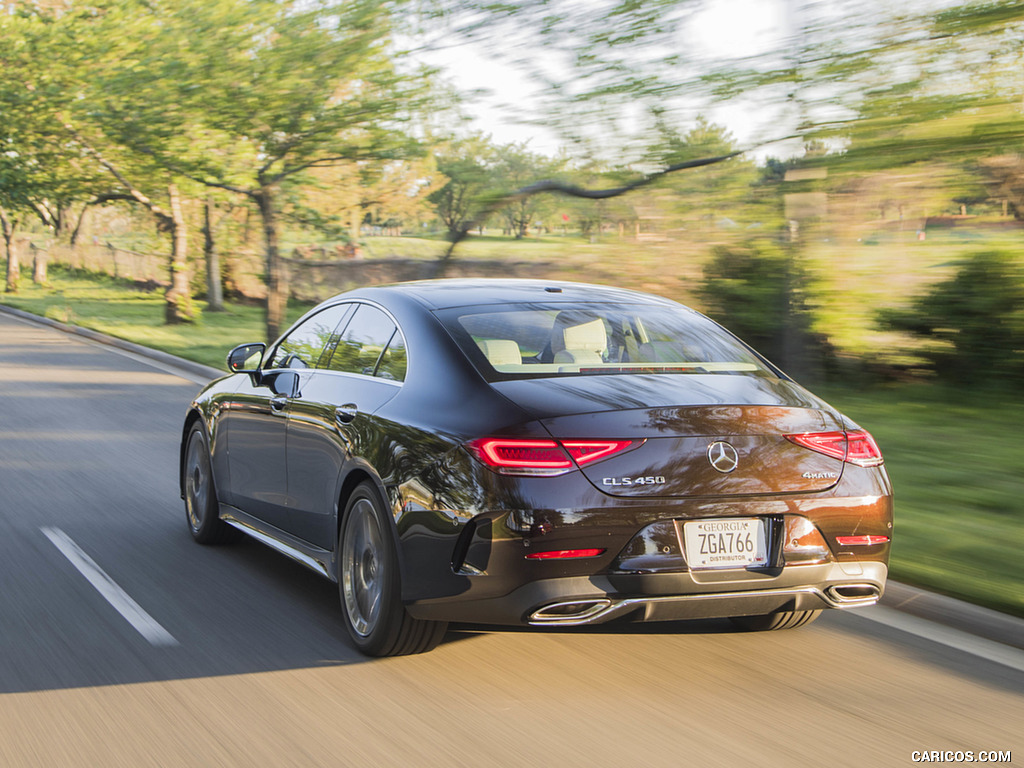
531, 340
305, 344
371, 345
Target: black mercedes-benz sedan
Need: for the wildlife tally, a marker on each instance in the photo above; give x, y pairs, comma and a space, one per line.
536, 453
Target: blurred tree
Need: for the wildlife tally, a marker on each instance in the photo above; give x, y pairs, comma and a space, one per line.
597, 57
61, 158
975, 318
465, 168
337, 200
592, 217
515, 167
759, 290
41, 175
1003, 175
716, 194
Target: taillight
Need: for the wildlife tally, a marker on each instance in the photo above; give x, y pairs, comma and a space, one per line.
857, 447
587, 451
514, 456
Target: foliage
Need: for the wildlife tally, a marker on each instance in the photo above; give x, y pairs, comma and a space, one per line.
977, 319
516, 167
245, 96
716, 195
465, 168
757, 290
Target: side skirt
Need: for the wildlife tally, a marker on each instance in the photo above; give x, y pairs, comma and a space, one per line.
319, 560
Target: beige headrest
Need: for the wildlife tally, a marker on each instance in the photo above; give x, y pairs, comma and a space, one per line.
500, 351
590, 337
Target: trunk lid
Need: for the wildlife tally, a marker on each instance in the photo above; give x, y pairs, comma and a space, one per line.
712, 441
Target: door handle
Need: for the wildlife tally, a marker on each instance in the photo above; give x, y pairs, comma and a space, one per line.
346, 413
278, 403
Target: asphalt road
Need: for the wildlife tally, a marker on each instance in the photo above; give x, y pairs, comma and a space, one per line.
239, 657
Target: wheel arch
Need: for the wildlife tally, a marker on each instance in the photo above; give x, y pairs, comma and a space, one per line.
356, 477
191, 418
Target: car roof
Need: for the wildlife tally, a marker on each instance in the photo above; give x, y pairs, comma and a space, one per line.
460, 292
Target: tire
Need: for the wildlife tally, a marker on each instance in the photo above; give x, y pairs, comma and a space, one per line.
201, 507
369, 583
773, 621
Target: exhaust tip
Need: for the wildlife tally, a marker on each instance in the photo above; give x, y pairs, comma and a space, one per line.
854, 594
570, 611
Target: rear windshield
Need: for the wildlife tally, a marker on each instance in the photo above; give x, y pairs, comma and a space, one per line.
541, 340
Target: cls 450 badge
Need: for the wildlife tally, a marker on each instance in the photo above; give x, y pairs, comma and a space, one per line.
624, 481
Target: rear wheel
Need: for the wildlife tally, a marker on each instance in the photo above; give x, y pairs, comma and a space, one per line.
777, 620
369, 582
201, 508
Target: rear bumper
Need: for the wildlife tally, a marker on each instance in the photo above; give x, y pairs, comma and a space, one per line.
578, 601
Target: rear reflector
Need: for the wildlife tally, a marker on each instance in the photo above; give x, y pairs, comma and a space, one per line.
513, 456
861, 541
564, 554
857, 447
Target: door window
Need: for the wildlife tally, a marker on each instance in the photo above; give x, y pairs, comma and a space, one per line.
303, 347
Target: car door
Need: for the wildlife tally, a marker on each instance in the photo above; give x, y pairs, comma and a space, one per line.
258, 416
332, 422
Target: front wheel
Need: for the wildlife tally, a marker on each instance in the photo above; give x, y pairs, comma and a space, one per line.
201, 508
369, 582
773, 621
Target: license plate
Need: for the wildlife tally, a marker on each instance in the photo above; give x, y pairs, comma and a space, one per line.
727, 543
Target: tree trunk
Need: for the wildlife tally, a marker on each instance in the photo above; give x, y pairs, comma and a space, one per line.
355, 224
39, 266
178, 307
214, 289
13, 273
277, 283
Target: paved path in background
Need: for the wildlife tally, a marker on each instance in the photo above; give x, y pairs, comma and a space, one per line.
260, 672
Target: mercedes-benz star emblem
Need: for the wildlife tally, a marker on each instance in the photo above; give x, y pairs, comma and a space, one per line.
723, 457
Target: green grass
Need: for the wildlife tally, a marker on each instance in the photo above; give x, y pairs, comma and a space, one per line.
115, 307
955, 458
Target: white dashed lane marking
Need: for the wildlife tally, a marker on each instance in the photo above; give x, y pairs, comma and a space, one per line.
122, 602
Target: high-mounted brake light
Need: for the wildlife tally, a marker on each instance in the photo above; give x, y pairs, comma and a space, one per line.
856, 447
564, 554
513, 456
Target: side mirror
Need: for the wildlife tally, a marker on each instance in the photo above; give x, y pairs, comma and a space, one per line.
246, 358
285, 383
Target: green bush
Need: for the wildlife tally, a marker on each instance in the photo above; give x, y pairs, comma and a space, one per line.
757, 291
974, 322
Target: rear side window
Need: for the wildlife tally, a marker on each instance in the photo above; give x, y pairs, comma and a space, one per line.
303, 347
393, 362
532, 340
370, 345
